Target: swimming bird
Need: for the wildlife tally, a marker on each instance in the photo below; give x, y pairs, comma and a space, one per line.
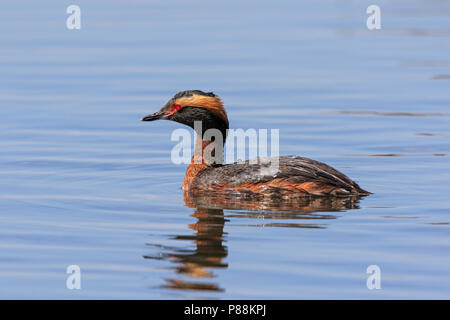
295, 177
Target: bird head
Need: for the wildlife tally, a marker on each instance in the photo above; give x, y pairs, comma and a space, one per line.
189, 106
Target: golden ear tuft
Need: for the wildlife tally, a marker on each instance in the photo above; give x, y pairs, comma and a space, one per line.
214, 104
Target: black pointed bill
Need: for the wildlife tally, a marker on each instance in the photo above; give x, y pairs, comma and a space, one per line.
155, 116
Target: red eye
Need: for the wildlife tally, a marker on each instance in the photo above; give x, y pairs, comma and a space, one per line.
176, 107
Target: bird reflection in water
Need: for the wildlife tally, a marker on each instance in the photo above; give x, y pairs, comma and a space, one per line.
195, 266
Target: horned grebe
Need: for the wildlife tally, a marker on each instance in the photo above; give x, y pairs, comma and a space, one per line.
297, 177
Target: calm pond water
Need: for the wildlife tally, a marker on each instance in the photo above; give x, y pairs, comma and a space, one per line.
83, 182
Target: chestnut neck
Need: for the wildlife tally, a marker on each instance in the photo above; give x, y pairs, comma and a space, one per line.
201, 160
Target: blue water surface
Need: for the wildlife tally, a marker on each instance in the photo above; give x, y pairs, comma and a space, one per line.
83, 182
